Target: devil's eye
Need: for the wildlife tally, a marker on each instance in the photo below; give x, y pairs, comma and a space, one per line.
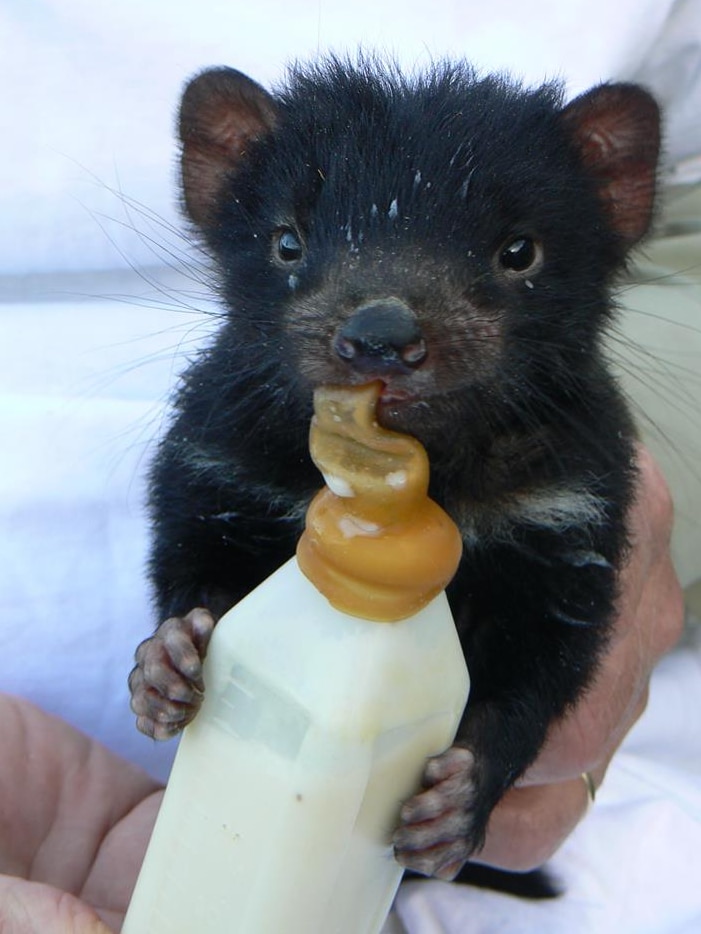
521, 254
288, 246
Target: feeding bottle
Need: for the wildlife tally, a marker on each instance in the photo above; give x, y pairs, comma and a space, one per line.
327, 688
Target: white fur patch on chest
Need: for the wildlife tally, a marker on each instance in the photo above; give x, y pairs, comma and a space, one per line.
554, 510
225, 473
559, 509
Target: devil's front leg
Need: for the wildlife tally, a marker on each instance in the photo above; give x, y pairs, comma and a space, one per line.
167, 685
201, 567
166, 682
532, 629
196, 583
445, 824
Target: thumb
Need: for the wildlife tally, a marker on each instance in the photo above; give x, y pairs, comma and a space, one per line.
35, 908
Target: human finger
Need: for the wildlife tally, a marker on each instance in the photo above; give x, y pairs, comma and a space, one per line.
35, 908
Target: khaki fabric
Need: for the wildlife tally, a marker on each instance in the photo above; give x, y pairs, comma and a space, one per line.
656, 350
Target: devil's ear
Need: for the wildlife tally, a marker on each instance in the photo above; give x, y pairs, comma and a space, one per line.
616, 128
221, 113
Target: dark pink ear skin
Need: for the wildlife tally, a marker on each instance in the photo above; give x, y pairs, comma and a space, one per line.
222, 112
616, 128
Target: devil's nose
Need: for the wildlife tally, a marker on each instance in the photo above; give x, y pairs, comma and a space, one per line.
380, 337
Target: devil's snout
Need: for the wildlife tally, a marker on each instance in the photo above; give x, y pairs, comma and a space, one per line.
381, 337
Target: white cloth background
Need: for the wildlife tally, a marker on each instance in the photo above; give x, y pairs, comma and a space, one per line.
88, 352
90, 89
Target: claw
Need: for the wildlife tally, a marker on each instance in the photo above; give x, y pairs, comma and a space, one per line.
438, 829
166, 683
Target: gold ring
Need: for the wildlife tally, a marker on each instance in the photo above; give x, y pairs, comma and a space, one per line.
590, 786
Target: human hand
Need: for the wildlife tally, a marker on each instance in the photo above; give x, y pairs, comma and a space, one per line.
538, 814
74, 825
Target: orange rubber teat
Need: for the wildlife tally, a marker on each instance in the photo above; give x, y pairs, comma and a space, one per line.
375, 545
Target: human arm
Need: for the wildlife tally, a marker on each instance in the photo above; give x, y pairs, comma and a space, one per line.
538, 814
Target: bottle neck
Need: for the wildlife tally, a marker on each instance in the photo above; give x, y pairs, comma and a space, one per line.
375, 545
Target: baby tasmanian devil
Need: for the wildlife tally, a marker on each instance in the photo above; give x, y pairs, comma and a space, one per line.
456, 238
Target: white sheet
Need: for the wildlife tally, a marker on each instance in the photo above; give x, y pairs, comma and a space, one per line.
82, 384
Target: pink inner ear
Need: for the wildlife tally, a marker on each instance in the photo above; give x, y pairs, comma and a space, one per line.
222, 112
616, 128
631, 199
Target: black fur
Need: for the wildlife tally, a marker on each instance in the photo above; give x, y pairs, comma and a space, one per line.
354, 185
